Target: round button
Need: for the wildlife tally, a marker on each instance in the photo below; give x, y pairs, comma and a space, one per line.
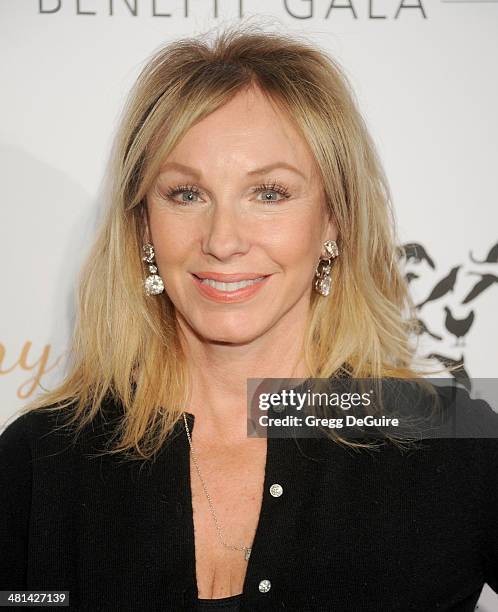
265, 586
276, 490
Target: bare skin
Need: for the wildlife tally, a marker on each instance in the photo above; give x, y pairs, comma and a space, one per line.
234, 478
227, 227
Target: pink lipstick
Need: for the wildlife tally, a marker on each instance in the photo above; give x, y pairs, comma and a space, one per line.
229, 288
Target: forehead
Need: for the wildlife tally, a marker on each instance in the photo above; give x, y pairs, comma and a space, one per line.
246, 132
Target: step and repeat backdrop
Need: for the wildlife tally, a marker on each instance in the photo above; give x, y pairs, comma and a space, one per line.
425, 77
424, 74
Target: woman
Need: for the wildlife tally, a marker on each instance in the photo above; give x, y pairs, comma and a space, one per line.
249, 236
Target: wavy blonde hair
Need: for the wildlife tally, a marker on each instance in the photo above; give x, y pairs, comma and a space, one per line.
125, 345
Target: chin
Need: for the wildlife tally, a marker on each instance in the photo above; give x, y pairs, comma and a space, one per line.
229, 337
235, 333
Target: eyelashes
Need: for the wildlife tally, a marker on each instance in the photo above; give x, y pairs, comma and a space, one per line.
274, 186
174, 191
271, 186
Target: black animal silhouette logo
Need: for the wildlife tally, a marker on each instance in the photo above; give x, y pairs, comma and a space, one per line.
458, 327
460, 374
422, 329
441, 288
492, 256
486, 281
410, 276
457, 321
414, 251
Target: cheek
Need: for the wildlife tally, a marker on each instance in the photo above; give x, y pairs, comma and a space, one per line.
295, 241
172, 239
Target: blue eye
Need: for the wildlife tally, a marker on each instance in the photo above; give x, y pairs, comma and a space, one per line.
192, 192
275, 188
188, 189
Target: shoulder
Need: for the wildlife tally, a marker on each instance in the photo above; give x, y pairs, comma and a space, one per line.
28, 427
47, 430
476, 426
463, 437
14, 439
19, 438
474, 417
440, 408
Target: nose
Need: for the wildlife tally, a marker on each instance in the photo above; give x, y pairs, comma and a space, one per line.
226, 234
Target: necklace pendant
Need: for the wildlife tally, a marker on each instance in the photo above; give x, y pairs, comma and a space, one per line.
247, 554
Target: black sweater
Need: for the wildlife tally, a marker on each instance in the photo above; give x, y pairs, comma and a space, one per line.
352, 531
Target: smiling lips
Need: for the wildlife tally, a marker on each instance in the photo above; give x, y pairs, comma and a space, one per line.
229, 287
228, 278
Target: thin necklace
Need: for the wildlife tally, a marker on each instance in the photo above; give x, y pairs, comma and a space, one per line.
246, 549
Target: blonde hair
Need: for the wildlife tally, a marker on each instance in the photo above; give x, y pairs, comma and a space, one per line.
125, 345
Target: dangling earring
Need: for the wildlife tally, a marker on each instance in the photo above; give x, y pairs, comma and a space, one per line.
153, 283
323, 279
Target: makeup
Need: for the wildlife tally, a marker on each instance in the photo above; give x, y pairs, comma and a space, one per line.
228, 292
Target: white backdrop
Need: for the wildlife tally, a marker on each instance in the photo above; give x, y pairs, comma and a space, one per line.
426, 80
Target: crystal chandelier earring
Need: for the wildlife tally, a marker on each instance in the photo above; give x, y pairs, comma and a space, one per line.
323, 280
153, 283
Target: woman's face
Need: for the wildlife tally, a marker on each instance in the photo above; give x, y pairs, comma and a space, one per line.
239, 196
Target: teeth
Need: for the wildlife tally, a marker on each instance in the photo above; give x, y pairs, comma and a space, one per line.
230, 286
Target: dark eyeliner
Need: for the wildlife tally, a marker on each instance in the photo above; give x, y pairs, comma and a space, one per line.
273, 186
174, 191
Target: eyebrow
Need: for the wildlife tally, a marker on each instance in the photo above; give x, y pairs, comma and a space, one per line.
258, 171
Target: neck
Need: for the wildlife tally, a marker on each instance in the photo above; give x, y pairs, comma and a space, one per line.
219, 373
